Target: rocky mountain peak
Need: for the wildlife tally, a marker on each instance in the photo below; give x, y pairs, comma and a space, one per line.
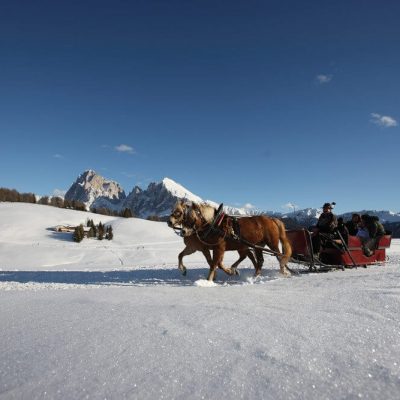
95, 191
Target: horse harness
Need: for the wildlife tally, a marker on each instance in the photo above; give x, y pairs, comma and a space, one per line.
232, 233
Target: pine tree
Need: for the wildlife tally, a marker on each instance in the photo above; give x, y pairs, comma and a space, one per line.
127, 213
109, 234
94, 227
100, 231
79, 233
91, 233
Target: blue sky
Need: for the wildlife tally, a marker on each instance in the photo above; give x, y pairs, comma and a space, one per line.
242, 102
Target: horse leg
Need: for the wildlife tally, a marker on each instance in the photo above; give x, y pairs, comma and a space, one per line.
286, 252
228, 271
242, 255
281, 259
252, 257
218, 256
260, 261
207, 255
186, 251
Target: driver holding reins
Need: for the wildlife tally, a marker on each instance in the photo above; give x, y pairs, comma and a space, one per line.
327, 224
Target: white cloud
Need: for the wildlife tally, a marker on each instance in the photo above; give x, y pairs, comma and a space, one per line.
248, 206
322, 78
290, 206
124, 148
59, 193
383, 120
59, 156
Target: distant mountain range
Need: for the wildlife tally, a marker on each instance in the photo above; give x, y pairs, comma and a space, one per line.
158, 199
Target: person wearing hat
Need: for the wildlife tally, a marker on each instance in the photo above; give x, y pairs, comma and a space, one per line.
327, 224
327, 221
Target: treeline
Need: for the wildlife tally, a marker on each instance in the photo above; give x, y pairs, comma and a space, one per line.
13, 196
126, 213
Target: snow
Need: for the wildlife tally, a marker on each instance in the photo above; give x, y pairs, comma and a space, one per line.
179, 191
115, 319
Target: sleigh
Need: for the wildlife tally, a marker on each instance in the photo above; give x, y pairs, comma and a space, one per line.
336, 253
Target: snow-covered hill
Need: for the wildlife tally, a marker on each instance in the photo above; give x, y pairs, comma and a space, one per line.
116, 320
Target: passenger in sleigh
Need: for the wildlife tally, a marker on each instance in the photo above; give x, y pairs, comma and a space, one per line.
342, 229
324, 231
354, 224
371, 230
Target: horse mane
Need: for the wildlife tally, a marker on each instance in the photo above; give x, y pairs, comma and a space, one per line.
207, 211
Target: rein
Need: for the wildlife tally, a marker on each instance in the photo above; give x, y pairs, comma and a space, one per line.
208, 244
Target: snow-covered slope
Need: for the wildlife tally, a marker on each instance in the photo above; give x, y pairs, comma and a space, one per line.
116, 320
27, 240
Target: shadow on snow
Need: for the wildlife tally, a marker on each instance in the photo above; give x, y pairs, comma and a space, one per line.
138, 277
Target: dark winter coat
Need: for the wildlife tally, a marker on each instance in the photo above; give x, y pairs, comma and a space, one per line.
375, 228
352, 227
327, 222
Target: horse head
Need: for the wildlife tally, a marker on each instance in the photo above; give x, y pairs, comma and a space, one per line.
177, 214
197, 217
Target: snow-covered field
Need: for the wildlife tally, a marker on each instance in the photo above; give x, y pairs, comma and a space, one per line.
115, 319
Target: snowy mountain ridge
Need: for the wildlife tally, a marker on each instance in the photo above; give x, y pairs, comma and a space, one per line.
160, 197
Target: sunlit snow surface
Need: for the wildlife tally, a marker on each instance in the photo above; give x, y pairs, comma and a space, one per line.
114, 320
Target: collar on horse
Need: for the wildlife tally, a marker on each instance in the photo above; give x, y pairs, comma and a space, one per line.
232, 230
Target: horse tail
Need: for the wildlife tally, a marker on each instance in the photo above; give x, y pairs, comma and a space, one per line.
286, 247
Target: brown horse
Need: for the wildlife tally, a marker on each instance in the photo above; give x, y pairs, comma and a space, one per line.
258, 230
193, 242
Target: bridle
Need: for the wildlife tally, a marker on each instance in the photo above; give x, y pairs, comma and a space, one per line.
205, 228
198, 224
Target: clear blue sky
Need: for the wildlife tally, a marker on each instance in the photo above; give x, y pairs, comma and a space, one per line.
261, 102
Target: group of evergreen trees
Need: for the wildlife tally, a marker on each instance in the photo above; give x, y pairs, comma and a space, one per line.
99, 231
